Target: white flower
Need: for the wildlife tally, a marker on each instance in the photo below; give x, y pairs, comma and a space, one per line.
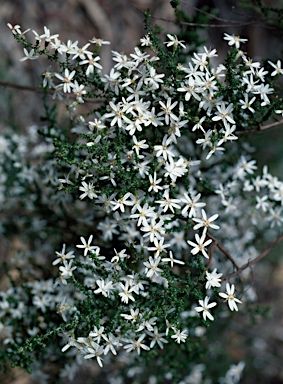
205, 222
133, 316
179, 336
92, 64
213, 279
157, 338
191, 204
174, 41
159, 246
154, 183
104, 287
201, 244
172, 260
204, 308
168, 203
139, 145
61, 256
119, 204
167, 110
66, 270
224, 113
88, 190
151, 266
29, 55
175, 169
86, 245
143, 213
153, 229
229, 296
262, 203
126, 293
136, 345
246, 104
95, 350
234, 40
67, 80
277, 66
163, 149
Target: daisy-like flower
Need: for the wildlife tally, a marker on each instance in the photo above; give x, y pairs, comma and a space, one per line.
172, 260
95, 350
66, 270
153, 229
173, 40
29, 55
246, 104
88, 190
92, 64
204, 308
16, 29
136, 345
159, 246
66, 80
277, 67
86, 245
167, 110
179, 336
157, 338
154, 183
164, 149
143, 213
134, 314
62, 256
126, 293
201, 244
138, 145
213, 279
234, 40
118, 114
104, 288
224, 113
191, 204
146, 41
166, 202
119, 204
99, 42
151, 266
206, 222
229, 296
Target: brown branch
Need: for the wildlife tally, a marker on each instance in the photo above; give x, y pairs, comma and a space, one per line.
210, 255
223, 250
255, 260
261, 127
39, 90
20, 87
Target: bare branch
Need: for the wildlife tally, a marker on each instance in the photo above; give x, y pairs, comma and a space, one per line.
39, 90
223, 250
255, 260
261, 127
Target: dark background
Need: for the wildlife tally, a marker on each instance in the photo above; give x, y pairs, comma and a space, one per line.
121, 22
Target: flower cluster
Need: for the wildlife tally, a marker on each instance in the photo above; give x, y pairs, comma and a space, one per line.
161, 200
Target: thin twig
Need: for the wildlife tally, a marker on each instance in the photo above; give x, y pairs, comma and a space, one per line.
261, 127
254, 261
211, 255
39, 90
20, 87
223, 250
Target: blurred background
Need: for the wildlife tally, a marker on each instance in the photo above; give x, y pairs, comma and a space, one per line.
121, 23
